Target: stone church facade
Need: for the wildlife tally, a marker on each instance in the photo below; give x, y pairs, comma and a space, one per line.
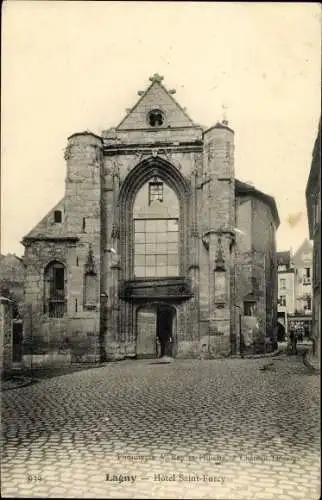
144, 247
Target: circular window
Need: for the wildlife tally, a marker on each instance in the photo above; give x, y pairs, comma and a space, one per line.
155, 118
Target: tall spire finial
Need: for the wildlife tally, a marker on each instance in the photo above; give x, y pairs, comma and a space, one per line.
156, 78
224, 114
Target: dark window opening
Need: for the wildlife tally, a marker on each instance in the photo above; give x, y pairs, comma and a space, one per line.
77, 261
156, 118
55, 303
155, 192
58, 216
309, 303
282, 300
59, 280
249, 308
84, 224
307, 272
76, 305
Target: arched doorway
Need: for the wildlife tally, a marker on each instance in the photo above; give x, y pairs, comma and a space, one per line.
155, 330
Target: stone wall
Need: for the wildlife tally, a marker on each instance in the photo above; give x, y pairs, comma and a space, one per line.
256, 268
215, 222
77, 245
316, 324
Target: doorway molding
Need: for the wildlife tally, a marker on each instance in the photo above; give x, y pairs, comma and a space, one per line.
153, 306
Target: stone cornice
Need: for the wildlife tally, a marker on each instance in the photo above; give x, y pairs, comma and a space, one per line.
131, 149
156, 130
31, 239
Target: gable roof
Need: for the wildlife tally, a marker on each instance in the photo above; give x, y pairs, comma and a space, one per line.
283, 258
243, 188
156, 96
47, 227
306, 245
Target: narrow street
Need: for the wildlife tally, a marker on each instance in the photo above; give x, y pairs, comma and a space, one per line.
189, 429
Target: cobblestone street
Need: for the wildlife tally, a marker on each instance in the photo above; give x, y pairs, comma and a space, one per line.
222, 429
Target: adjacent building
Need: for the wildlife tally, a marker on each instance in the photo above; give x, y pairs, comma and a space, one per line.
295, 289
154, 244
303, 263
313, 199
12, 292
286, 288
12, 281
255, 261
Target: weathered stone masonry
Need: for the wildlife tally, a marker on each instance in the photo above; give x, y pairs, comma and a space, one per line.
90, 241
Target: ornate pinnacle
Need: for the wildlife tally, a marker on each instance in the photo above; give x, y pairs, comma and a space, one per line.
220, 261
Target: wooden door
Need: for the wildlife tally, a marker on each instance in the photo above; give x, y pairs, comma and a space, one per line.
17, 341
146, 328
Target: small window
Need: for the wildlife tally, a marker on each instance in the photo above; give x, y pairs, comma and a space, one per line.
155, 192
309, 303
55, 290
307, 272
155, 118
249, 308
283, 283
282, 300
57, 216
59, 279
84, 225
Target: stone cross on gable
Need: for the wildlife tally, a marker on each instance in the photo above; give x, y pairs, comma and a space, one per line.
156, 78
224, 111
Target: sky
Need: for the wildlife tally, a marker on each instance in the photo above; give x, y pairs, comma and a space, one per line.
74, 66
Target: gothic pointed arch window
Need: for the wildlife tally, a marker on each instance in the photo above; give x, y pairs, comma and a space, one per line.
55, 302
156, 215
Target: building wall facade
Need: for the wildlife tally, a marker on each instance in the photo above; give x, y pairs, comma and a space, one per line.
5, 335
313, 199
113, 262
286, 291
303, 263
12, 281
256, 269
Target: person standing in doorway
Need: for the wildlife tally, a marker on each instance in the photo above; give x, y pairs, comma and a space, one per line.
162, 340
